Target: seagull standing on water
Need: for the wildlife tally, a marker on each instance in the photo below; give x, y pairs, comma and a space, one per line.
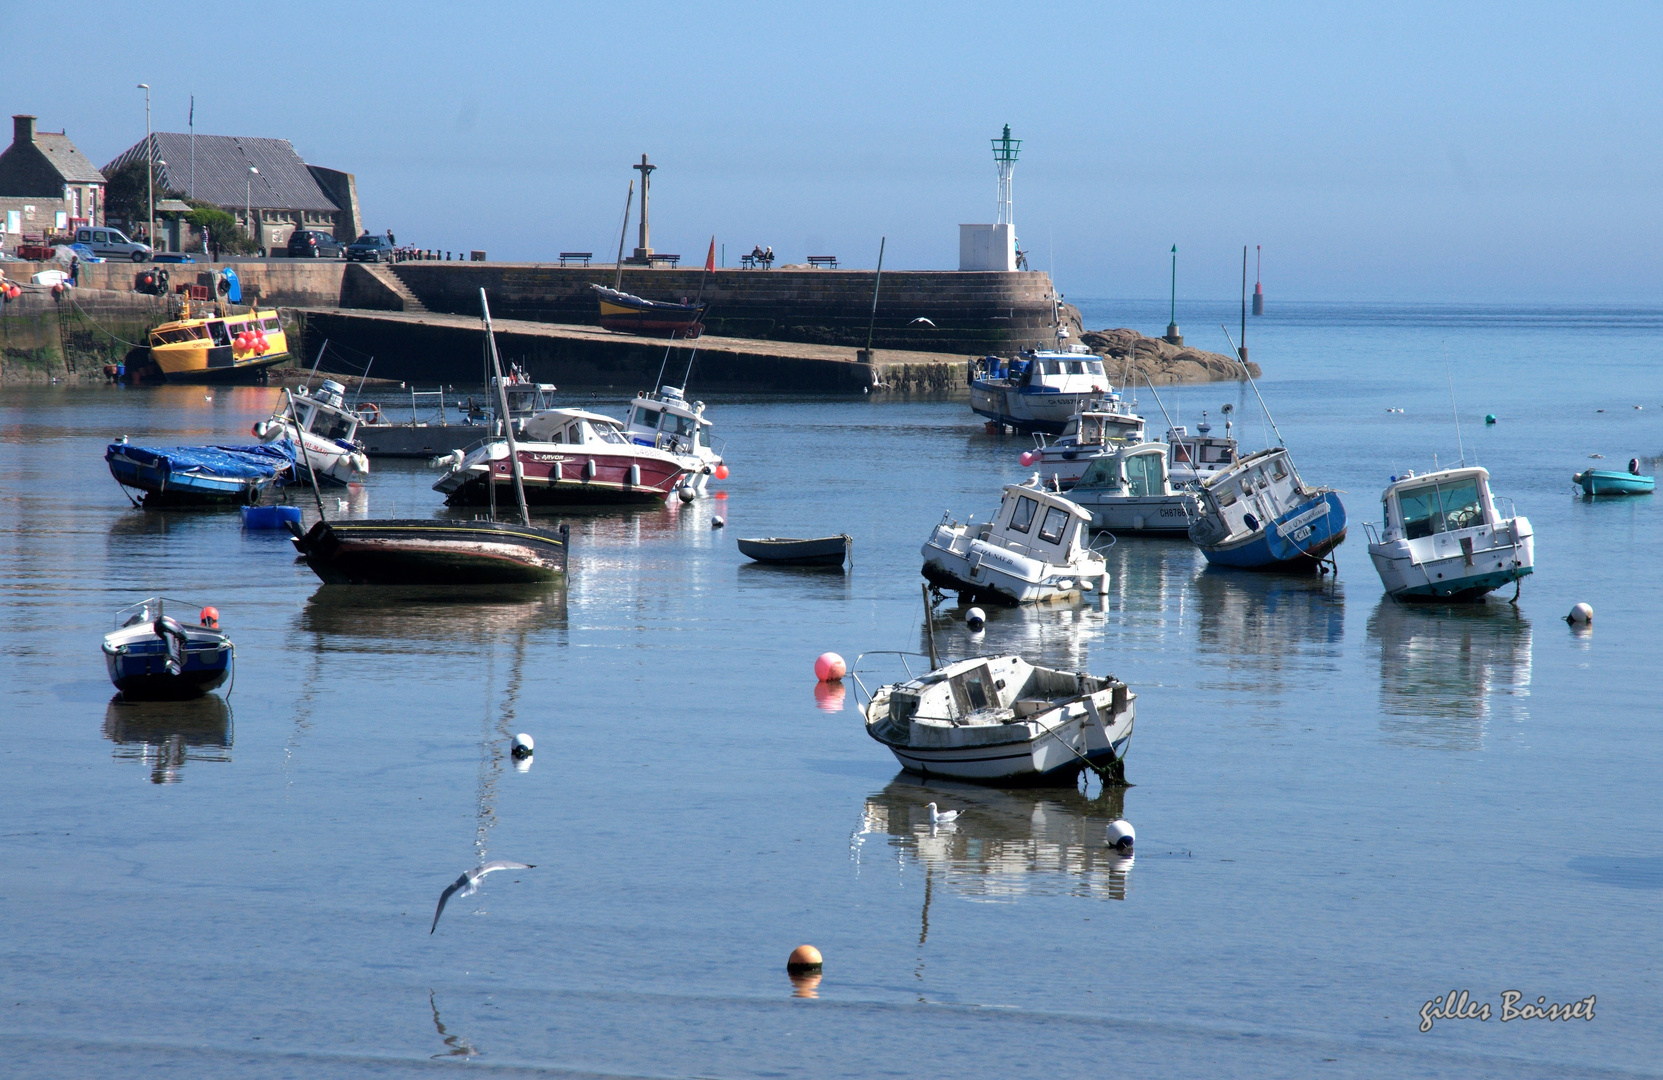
468, 884
942, 817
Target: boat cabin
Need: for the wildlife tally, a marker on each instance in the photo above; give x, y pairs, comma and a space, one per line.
324, 413
1203, 452
1100, 427
574, 427
1417, 507
1253, 492
1040, 524
1076, 371
667, 421
1137, 471
525, 399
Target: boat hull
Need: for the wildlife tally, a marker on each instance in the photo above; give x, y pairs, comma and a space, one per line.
1601, 482
628, 314
197, 476
777, 551
1456, 567
1139, 515
139, 667
414, 552
1026, 409
1299, 540
569, 479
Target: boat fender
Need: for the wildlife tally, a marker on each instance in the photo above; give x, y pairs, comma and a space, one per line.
718, 522
722, 471
1634, 466
1581, 615
687, 493
635, 476
589, 469
1122, 837
259, 429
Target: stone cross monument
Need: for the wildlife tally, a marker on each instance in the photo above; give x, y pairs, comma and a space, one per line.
643, 253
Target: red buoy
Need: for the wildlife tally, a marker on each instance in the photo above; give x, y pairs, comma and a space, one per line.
829, 667
721, 472
209, 617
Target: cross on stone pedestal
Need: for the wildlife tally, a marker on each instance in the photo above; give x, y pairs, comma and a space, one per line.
643, 253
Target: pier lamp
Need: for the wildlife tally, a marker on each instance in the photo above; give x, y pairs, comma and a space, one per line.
248, 208
149, 166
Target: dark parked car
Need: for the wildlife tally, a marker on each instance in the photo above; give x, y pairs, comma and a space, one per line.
370, 249
312, 244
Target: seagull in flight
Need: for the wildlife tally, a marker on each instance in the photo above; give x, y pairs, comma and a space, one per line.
942, 817
921, 321
468, 883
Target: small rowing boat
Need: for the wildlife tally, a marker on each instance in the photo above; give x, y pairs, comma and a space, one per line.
630, 314
1611, 482
786, 551
427, 552
153, 656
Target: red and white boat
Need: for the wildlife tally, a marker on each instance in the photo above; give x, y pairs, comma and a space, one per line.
566, 456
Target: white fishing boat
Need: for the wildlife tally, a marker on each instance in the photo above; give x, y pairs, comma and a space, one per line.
1001, 719
1102, 425
1129, 491
327, 432
1444, 538
1193, 458
1036, 391
1034, 549
667, 421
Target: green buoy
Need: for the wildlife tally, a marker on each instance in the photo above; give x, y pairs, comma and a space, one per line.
1489, 418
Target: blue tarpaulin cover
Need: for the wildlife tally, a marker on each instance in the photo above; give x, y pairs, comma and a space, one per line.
232, 462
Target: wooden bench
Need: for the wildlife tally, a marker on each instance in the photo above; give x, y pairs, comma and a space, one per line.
825, 262
655, 258
574, 256
754, 262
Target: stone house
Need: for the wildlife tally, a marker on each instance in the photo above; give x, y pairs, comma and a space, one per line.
262, 178
46, 185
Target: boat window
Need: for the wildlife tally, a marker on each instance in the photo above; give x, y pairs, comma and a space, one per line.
559, 436
574, 431
1100, 473
1461, 508
645, 417
609, 433
1022, 518
1278, 470
677, 425
1216, 455
1053, 367
1180, 451
1225, 496
218, 332
1421, 516
1056, 520
1143, 471
271, 325
1076, 367
974, 689
1096, 366
331, 425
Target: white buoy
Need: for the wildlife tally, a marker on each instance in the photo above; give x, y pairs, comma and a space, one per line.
718, 522
1581, 615
687, 494
975, 618
1121, 834
523, 746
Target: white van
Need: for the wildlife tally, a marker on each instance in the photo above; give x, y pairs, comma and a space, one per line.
112, 243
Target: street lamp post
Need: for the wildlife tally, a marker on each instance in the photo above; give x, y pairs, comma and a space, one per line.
149, 167
248, 210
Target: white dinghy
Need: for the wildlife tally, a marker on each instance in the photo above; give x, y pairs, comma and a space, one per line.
1445, 540
1034, 549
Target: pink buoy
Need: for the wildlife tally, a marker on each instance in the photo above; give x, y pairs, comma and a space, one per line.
721, 472
1027, 457
830, 667
828, 696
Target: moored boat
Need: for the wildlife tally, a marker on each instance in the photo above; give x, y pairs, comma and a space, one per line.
1036, 391
1101, 426
1257, 514
566, 456
200, 475
1195, 457
327, 429
1003, 720
154, 656
215, 348
785, 551
1444, 538
630, 314
1611, 482
1128, 491
425, 552
667, 420
1032, 550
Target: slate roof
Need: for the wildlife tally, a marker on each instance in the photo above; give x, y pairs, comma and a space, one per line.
71, 164
222, 163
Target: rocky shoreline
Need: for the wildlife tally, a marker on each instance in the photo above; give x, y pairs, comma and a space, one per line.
1160, 361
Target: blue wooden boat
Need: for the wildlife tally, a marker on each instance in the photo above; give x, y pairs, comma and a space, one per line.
1611, 482
786, 551
1259, 515
154, 656
201, 475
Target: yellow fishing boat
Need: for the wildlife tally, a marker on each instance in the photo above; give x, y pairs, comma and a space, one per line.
216, 348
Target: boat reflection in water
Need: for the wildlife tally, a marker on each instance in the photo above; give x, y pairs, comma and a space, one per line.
163, 735
397, 616
1446, 670
1005, 844
1269, 634
1057, 634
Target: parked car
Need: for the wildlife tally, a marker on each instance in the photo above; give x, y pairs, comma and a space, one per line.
369, 248
314, 244
112, 244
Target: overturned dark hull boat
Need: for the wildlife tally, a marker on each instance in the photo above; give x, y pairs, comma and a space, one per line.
418, 552
784, 551
630, 314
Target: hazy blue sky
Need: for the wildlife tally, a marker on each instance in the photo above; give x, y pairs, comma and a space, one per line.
1409, 151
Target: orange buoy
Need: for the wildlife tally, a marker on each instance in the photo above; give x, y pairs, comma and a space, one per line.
804, 958
721, 472
209, 617
829, 667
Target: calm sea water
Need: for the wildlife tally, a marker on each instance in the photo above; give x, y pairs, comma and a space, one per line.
1345, 808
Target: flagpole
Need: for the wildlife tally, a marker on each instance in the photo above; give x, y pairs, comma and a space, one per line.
193, 146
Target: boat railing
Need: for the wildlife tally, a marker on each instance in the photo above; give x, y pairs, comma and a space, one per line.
153, 608
1368, 528
1510, 513
419, 399
855, 671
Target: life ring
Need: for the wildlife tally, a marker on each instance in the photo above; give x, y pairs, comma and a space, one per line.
369, 412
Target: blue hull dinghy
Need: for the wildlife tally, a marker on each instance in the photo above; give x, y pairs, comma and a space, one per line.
1259, 515
154, 656
1611, 482
201, 475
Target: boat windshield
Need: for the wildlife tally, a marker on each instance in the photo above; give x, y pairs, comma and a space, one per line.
974, 689
1022, 518
1100, 473
1143, 471
329, 424
609, 433
678, 425
1056, 521
1434, 508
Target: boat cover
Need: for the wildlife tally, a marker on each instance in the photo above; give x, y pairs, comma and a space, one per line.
232, 462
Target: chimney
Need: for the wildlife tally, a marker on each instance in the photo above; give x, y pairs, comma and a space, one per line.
23, 129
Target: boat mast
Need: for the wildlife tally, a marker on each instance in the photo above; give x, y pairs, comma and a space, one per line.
629, 200
1280, 441
929, 626
507, 420
300, 441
